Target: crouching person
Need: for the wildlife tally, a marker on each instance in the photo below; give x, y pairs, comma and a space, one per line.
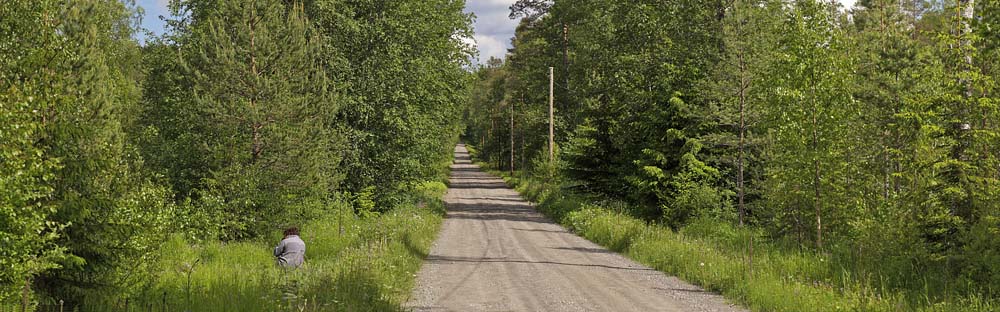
291, 252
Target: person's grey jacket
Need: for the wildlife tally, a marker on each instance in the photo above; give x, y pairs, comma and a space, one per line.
291, 251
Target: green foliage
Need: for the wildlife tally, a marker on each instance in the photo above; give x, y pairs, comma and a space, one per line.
27, 232
369, 266
73, 87
713, 254
401, 66
26, 172
688, 191
869, 134
229, 126
619, 94
271, 158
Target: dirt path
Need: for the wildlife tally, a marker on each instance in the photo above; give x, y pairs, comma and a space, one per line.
496, 253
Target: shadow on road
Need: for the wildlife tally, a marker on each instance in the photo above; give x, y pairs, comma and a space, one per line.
478, 185
495, 211
443, 259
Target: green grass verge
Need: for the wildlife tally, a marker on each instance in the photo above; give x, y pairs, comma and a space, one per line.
713, 255
370, 266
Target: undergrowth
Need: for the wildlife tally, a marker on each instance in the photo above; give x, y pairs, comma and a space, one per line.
352, 264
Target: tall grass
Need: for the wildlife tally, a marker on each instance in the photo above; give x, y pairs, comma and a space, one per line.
714, 255
368, 266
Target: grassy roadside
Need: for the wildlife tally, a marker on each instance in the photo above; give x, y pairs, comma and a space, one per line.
714, 255
370, 266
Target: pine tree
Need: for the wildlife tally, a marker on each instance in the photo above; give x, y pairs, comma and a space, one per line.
272, 152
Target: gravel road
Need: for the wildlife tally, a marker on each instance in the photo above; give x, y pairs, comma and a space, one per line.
496, 253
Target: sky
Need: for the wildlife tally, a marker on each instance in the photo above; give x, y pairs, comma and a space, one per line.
151, 20
493, 28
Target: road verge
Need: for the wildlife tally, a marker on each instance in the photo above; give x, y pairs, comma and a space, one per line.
714, 256
352, 264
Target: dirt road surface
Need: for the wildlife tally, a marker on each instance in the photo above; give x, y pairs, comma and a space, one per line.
496, 253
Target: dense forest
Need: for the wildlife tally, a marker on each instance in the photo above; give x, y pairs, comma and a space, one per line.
245, 117
805, 149
868, 136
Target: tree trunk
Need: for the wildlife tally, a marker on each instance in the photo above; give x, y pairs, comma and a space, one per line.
968, 10
256, 147
816, 181
493, 123
512, 138
816, 177
798, 215
499, 146
968, 13
742, 146
26, 294
524, 146
964, 127
744, 85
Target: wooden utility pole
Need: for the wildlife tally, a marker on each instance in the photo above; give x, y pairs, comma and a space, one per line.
552, 129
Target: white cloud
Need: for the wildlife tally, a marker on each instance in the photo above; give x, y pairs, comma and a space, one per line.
491, 46
493, 28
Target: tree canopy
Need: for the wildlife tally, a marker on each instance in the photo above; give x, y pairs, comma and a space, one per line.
866, 130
